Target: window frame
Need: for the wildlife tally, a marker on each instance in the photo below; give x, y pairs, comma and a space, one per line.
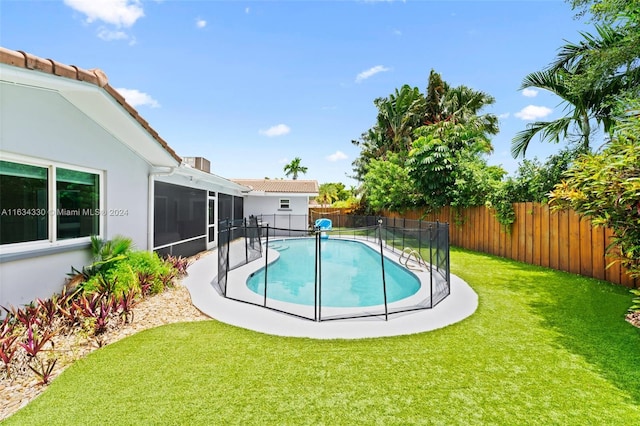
284, 203
52, 240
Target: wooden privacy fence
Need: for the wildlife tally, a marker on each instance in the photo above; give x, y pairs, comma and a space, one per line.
558, 240
316, 212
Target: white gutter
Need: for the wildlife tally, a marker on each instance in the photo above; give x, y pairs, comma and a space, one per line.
151, 203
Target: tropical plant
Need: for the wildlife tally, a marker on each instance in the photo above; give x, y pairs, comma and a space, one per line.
294, 168
583, 107
179, 263
446, 166
43, 370
615, 54
388, 185
590, 76
34, 342
327, 194
606, 187
125, 304
105, 255
532, 181
7, 351
398, 116
106, 252
426, 135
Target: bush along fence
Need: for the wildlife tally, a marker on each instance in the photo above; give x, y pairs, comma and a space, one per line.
559, 240
320, 267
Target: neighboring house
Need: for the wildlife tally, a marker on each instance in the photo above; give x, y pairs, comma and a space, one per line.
76, 160
286, 201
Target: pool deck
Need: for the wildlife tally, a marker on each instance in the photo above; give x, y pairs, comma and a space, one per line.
460, 304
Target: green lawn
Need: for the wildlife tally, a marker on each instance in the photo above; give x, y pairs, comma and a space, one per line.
543, 348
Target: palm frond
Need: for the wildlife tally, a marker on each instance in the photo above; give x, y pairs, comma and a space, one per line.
549, 131
571, 55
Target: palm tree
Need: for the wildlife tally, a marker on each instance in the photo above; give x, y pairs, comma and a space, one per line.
399, 115
328, 194
294, 167
587, 85
453, 114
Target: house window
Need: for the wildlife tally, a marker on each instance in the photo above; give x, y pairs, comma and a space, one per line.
78, 203
285, 204
33, 209
23, 203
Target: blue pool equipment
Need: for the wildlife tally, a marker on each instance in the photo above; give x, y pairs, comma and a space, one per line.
325, 225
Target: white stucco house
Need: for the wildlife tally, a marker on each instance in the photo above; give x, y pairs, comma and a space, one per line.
280, 203
76, 160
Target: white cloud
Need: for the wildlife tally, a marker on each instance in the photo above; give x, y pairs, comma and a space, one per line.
533, 112
505, 115
278, 130
529, 93
136, 98
121, 13
284, 160
337, 156
397, 32
108, 35
371, 72
201, 23
247, 10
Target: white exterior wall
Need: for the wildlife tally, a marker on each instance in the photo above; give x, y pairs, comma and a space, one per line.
270, 204
42, 125
293, 218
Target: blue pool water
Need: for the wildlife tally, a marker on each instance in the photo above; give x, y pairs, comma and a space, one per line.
351, 275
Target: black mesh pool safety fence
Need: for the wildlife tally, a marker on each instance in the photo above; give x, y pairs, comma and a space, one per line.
363, 266
239, 243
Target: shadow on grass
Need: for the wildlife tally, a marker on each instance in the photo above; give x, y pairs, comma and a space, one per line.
587, 315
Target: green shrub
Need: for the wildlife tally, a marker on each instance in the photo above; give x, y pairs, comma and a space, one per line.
125, 275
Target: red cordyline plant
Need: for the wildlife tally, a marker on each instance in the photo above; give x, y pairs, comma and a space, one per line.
43, 370
6, 329
48, 311
179, 263
87, 306
146, 282
34, 342
7, 351
27, 316
125, 305
102, 315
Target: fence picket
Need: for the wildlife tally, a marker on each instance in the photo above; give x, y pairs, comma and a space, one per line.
555, 239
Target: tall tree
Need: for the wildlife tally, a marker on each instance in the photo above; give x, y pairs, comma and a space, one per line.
406, 110
398, 116
576, 125
294, 168
387, 185
594, 77
435, 92
328, 193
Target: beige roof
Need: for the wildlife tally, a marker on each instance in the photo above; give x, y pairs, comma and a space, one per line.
280, 186
96, 76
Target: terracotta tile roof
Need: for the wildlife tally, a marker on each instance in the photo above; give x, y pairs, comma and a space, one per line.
280, 186
95, 76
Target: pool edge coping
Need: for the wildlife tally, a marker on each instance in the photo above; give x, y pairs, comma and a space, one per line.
461, 303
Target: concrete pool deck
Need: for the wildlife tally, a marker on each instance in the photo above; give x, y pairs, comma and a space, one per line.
460, 304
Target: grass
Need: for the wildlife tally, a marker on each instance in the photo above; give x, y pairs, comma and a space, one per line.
544, 347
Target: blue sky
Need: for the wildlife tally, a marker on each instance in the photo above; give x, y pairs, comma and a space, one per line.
252, 84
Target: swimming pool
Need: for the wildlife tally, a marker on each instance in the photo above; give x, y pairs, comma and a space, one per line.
351, 275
